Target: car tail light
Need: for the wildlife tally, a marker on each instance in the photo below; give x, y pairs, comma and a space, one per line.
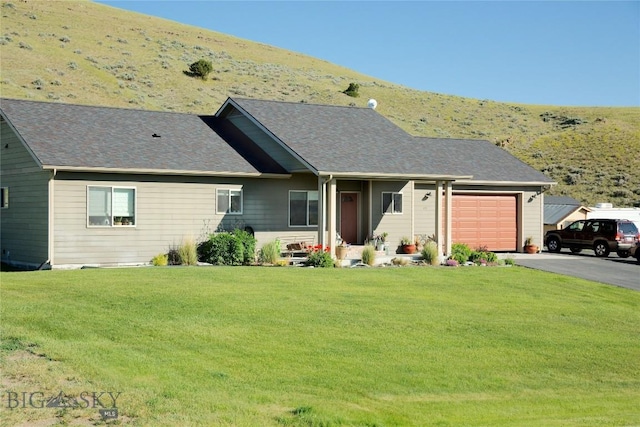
619, 236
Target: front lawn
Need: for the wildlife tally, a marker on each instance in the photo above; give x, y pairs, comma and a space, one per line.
258, 346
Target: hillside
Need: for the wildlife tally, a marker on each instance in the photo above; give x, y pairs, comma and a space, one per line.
87, 53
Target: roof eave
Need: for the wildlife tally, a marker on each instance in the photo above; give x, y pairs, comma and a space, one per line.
508, 183
136, 171
402, 176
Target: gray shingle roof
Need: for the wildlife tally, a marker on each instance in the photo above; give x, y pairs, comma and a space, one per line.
482, 159
65, 135
350, 139
339, 139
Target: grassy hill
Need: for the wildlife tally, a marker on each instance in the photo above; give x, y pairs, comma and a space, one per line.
86, 53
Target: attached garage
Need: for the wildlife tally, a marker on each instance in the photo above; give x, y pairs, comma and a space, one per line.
485, 220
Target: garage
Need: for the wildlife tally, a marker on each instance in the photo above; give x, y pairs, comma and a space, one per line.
485, 220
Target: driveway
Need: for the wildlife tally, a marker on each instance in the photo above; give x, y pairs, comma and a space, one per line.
613, 270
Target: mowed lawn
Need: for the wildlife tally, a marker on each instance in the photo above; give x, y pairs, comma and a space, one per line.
259, 346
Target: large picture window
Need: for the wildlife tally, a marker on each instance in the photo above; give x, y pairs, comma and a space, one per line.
229, 201
391, 203
303, 208
111, 206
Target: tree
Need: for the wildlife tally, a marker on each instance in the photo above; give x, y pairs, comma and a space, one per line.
201, 68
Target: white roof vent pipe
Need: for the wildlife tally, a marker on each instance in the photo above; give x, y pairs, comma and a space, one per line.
372, 103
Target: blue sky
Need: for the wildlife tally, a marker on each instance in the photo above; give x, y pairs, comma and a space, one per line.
582, 53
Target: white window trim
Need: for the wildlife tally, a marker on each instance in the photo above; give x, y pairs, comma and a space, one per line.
219, 212
112, 220
307, 210
393, 203
5, 198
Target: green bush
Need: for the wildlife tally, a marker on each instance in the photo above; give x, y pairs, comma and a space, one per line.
248, 245
460, 252
270, 252
352, 90
430, 253
235, 248
369, 255
319, 258
477, 257
201, 68
187, 253
160, 260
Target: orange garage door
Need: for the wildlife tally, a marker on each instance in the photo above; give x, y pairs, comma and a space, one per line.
485, 221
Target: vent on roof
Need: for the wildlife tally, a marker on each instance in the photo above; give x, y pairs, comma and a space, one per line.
372, 104
155, 135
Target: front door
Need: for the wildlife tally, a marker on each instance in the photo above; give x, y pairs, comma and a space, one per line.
349, 217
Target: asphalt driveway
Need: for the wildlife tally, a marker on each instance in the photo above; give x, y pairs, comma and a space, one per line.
613, 270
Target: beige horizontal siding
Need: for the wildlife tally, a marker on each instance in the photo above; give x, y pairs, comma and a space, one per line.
24, 224
168, 211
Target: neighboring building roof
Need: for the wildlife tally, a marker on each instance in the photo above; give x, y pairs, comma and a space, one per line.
85, 137
340, 140
557, 208
485, 161
561, 200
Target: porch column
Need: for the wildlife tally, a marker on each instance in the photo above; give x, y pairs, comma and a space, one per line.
439, 219
332, 213
322, 208
447, 215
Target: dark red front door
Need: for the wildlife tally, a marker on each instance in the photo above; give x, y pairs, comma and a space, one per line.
349, 217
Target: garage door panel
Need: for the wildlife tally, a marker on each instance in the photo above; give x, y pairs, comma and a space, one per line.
485, 220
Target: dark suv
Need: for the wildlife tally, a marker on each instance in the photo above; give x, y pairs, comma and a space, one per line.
601, 235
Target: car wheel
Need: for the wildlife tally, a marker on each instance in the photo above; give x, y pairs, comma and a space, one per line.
576, 250
623, 254
601, 249
553, 244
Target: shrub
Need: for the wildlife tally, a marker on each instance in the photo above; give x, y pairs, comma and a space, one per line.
430, 253
319, 258
221, 249
460, 252
478, 256
160, 260
187, 253
352, 90
270, 252
173, 257
369, 255
201, 68
509, 261
248, 243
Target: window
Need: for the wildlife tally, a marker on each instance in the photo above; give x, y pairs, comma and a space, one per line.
229, 201
303, 208
391, 203
111, 206
4, 197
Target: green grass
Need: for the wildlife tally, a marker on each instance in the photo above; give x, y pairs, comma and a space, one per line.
247, 346
112, 57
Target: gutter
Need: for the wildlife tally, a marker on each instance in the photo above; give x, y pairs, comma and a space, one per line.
164, 172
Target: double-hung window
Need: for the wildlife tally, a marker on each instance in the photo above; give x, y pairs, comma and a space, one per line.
228, 201
303, 208
391, 203
111, 206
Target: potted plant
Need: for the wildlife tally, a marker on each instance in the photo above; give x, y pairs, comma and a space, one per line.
529, 246
408, 247
341, 251
117, 220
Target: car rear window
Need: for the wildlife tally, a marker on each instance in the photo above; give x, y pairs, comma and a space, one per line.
628, 228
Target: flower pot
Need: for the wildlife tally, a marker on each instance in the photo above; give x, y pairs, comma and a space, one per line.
531, 249
409, 249
341, 252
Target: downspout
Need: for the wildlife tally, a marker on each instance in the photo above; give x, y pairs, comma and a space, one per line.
51, 218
